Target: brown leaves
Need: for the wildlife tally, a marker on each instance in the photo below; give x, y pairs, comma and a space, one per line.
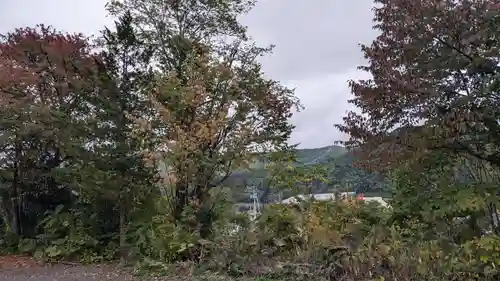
45, 82
214, 115
430, 68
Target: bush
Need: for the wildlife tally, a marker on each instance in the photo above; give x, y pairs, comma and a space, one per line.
348, 240
69, 235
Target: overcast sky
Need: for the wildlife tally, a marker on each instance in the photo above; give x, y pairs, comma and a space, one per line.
316, 48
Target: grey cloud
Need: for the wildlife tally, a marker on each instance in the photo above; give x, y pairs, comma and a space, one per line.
87, 16
312, 37
325, 98
317, 51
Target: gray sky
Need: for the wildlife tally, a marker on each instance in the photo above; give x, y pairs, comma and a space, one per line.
316, 48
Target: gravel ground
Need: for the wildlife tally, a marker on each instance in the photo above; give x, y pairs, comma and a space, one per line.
19, 268
65, 273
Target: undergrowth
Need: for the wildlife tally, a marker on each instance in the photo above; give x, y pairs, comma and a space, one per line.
348, 240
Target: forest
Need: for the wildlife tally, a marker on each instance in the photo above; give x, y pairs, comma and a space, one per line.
134, 146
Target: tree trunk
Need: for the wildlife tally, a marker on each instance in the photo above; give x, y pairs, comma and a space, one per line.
494, 219
204, 214
15, 220
181, 197
123, 232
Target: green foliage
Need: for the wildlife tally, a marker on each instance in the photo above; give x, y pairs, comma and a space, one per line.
84, 132
338, 173
69, 235
286, 172
159, 241
8, 243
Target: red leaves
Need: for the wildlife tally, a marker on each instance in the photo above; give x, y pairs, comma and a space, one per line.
431, 54
40, 63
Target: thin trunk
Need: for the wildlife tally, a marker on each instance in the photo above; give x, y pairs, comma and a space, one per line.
495, 218
15, 222
123, 231
204, 213
181, 191
473, 224
310, 188
4, 215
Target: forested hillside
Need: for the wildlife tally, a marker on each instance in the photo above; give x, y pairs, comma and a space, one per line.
341, 175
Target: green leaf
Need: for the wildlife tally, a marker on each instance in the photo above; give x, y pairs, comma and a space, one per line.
53, 251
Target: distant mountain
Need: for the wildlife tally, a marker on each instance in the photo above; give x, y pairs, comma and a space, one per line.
342, 175
320, 155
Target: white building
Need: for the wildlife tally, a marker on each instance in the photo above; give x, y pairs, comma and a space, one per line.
317, 196
380, 200
331, 196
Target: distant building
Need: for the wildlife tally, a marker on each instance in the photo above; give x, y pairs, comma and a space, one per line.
317, 196
331, 197
380, 200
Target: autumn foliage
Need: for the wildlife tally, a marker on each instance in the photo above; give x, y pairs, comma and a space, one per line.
45, 76
54, 63
434, 82
122, 147
90, 122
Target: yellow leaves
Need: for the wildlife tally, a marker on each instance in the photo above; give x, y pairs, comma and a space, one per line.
210, 116
384, 250
168, 179
313, 222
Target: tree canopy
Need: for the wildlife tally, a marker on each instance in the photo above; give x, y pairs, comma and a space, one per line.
434, 82
140, 144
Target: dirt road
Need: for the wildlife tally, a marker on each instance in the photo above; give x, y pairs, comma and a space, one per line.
65, 273
18, 268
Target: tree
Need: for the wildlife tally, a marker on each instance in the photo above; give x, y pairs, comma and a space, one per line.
44, 121
286, 172
217, 122
123, 76
438, 202
216, 110
172, 28
434, 85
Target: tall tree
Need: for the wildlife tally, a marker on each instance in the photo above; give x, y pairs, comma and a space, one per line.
217, 122
44, 121
124, 74
435, 82
215, 105
174, 27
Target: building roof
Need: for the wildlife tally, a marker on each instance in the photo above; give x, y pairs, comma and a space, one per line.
317, 196
331, 196
380, 200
